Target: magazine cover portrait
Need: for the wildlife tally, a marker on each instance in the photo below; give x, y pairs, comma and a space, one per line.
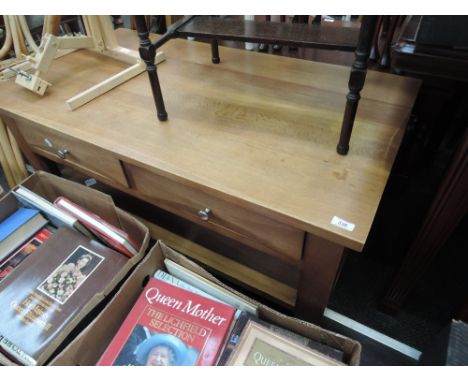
146, 348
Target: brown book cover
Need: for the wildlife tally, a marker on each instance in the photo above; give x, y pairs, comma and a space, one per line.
51, 291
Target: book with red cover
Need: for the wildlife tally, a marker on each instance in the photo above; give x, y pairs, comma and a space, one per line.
169, 326
10, 263
109, 234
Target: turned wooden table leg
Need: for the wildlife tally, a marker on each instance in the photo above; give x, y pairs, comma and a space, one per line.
321, 263
356, 81
215, 52
147, 54
447, 209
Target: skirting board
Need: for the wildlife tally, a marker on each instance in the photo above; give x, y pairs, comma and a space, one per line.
373, 334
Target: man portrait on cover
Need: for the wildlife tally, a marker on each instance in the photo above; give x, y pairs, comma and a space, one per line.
67, 278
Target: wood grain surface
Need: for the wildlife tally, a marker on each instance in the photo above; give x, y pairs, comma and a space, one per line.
258, 131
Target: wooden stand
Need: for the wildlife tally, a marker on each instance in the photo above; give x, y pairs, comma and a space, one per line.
100, 38
297, 35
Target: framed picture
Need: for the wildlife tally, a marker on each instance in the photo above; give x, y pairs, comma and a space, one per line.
259, 346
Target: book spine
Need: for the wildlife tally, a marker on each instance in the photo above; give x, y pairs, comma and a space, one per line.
233, 337
11, 262
14, 351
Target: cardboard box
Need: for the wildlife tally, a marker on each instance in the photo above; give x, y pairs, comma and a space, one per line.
88, 347
50, 187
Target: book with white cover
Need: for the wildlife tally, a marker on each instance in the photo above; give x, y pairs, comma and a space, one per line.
209, 287
57, 217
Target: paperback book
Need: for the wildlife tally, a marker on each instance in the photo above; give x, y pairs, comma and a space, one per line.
170, 326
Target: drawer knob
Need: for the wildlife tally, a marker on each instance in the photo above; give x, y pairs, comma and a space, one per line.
204, 214
63, 153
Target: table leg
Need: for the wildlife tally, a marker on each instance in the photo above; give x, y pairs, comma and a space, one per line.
215, 52
321, 263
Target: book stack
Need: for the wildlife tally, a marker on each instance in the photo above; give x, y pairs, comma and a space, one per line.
183, 319
56, 261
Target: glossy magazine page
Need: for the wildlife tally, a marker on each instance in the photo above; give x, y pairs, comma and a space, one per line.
169, 326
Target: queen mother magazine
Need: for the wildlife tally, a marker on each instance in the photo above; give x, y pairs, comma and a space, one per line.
169, 326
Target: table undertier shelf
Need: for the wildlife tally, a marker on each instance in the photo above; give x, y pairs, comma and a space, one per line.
292, 34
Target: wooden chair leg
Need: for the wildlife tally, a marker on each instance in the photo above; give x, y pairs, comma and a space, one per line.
356, 81
147, 54
215, 52
262, 47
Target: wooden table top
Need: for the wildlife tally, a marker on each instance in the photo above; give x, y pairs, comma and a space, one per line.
258, 130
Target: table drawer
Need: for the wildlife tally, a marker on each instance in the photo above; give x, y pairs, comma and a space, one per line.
228, 219
80, 155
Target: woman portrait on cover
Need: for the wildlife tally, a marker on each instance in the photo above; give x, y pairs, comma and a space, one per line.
146, 348
162, 350
66, 279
